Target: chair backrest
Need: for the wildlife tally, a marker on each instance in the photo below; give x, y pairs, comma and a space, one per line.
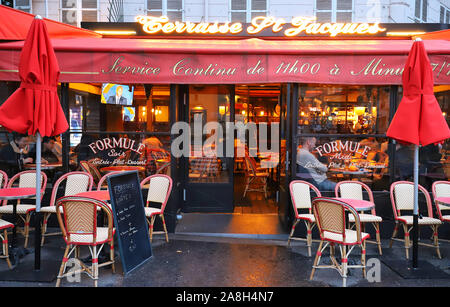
76, 182
102, 182
159, 189
331, 217
402, 197
3, 179
251, 165
77, 217
441, 189
353, 190
301, 195
27, 179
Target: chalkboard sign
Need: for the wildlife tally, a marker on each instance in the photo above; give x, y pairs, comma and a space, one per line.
129, 219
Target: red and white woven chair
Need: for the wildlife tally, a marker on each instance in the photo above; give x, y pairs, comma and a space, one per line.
354, 190
102, 183
159, 189
402, 199
441, 189
301, 200
77, 217
4, 225
25, 179
330, 217
256, 179
76, 182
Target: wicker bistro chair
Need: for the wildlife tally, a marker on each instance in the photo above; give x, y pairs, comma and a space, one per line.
330, 217
159, 189
354, 190
441, 189
4, 226
76, 182
301, 199
256, 180
77, 217
402, 199
25, 179
3, 179
103, 183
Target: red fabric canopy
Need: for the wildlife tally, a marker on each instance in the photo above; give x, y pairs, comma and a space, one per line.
444, 34
15, 25
35, 105
418, 119
205, 61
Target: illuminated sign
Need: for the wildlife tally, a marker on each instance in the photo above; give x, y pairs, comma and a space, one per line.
297, 27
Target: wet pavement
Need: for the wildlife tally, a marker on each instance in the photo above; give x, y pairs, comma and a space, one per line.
214, 260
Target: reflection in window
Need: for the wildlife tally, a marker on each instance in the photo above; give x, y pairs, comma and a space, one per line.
343, 109
323, 161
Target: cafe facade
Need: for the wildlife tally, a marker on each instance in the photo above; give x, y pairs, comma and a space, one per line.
161, 96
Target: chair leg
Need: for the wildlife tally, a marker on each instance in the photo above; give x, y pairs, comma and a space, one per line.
111, 255
44, 227
394, 235
165, 228
436, 240
316, 260
344, 265
27, 229
94, 267
405, 230
63, 266
152, 221
363, 258
377, 234
309, 237
5, 247
292, 232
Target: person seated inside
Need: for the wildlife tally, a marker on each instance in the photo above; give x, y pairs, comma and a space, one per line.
50, 153
316, 169
16, 154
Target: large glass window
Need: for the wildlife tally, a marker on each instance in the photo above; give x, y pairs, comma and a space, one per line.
421, 10
120, 126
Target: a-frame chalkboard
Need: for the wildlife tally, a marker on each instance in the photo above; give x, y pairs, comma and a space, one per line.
129, 219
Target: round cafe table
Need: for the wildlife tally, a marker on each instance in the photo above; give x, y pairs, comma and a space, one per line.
102, 195
45, 166
16, 194
357, 204
116, 168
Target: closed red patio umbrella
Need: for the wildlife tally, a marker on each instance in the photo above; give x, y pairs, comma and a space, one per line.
34, 108
418, 119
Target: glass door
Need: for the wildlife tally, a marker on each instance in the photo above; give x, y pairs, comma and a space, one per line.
208, 161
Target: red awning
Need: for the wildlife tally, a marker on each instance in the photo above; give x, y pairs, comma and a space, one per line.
232, 61
15, 25
444, 34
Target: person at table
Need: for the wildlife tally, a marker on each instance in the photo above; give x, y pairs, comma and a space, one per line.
15, 154
316, 169
49, 154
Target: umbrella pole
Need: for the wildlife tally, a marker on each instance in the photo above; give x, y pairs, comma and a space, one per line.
37, 234
416, 207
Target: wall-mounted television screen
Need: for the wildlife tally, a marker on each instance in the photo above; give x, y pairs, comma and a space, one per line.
128, 114
117, 94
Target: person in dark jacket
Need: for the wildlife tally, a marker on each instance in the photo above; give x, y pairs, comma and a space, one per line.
15, 154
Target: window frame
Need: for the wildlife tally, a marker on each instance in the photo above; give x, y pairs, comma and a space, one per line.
420, 18
28, 8
79, 10
334, 10
446, 16
248, 12
164, 9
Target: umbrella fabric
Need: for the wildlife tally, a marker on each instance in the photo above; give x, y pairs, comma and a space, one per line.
35, 105
419, 118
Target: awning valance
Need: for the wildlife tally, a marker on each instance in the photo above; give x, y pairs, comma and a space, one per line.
206, 61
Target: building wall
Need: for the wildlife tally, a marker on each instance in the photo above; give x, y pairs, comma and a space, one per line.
385, 11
